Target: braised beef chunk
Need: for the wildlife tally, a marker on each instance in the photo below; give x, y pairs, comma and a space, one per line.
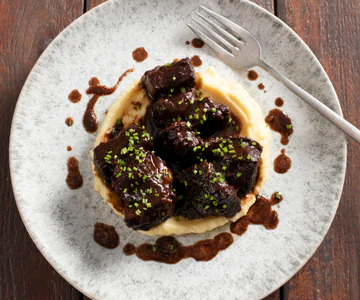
168, 110
168, 79
237, 158
207, 192
107, 155
179, 143
144, 185
206, 116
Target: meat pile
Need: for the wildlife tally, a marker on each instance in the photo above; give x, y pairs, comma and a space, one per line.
185, 159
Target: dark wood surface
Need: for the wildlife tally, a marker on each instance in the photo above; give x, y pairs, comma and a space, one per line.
330, 27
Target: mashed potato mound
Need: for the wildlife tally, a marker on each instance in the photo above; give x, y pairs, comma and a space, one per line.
220, 91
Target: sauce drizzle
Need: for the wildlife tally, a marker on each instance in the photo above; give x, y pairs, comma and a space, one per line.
276, 198
196, 61
260, 213
106, 236
252, 75
280, 122
168, 250
74, 179
197, 43
279, 102
75, 96
140, 54
282, 163
90, 120
69, 121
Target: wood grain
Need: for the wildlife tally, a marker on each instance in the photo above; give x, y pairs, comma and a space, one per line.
331, 29
27, 27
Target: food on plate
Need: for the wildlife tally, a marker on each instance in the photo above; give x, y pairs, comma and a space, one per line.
190, 157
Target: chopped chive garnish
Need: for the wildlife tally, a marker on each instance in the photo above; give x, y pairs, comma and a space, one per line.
277, 195
213, 110
174, 78
224, 168
253, 143
171, 247
154, 249
248, 157
180, 102
156, 195
195, 172
185, 183
188, 124
224, 206
183, 89
168, 64
238, 174
157, 176
288, 126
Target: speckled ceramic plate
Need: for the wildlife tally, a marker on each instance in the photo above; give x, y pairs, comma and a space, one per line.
60, 221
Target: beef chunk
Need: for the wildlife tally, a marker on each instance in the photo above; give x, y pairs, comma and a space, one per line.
206, 116
178, 143
107, 155
237, 158
167, 110
144, 185
168, 79
206, 193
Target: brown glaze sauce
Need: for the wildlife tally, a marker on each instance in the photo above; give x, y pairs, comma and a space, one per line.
260, 213
261, 86
187, 43
280, 122
252, 75
282, 163
279, 102
140, 54
90, 120
197, 43
276, 198
74, 179
75, 96
196, 61
168, 250
106, 236
136, 104
69, 121
69, 148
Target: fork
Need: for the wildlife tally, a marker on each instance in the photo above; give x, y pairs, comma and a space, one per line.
237, 47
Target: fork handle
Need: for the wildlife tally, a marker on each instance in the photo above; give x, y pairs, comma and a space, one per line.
329, 114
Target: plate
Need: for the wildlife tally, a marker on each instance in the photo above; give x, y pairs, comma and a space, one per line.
60, 221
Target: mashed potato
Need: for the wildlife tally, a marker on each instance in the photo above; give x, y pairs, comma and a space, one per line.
220, 91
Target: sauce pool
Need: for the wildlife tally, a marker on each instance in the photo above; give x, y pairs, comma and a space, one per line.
197, 43
74, 179
280, 122
75, 96
252, 75
106, 236
279, 102
69, 121
196, 61
260, 213
140, 54
168, 250
282, 163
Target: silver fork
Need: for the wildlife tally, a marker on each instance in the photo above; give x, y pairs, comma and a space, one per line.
237, 47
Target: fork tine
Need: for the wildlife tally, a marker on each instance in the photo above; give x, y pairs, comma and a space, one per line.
230, 24
223, 53
238, 43
217, 37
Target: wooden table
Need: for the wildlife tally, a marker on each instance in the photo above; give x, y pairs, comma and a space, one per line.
332, 30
